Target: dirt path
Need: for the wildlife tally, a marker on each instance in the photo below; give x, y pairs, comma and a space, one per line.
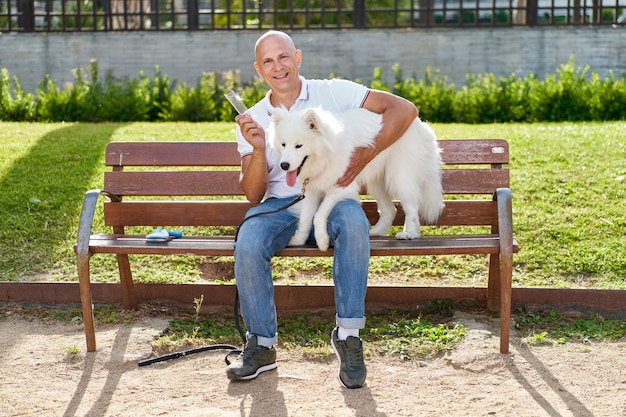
40, 377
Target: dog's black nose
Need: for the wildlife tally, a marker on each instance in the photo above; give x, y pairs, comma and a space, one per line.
284, 166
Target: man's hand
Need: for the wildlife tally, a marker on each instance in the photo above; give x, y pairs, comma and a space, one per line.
398, 114
254, 176
251, 131
360, 158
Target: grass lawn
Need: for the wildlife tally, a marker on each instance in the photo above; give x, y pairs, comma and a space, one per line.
568, 183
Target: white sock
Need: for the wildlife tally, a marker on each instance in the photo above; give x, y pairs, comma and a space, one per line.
342, 333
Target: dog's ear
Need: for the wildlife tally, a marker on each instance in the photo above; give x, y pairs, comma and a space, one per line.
312, 119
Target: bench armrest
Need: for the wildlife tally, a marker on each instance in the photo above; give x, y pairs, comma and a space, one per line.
86, 221
505, 220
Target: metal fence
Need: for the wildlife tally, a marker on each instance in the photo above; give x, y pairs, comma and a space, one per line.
164, 15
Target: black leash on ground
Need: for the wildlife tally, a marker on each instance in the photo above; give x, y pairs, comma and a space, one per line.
233, 349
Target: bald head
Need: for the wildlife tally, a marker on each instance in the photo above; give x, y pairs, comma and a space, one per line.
274, 36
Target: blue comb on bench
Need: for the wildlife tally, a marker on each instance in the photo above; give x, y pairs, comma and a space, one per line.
162, 235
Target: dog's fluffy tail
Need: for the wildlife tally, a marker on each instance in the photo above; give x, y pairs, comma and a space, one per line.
431, 202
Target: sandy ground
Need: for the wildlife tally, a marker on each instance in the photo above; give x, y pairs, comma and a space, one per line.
41, 377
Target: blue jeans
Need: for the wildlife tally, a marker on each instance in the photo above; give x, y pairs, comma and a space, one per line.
261, 237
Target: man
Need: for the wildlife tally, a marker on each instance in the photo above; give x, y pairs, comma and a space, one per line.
262, 180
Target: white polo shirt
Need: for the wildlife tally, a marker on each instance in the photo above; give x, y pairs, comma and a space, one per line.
333, 95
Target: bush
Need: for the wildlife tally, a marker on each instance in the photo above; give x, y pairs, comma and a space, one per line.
488, 99
15, 104
570, 94
564, 96
89, 99
607, 99
433, 96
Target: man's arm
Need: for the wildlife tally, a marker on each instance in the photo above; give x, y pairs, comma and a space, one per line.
254, 176
398, 114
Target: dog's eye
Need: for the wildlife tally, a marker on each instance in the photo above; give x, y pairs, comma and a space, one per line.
298, 146
282, 144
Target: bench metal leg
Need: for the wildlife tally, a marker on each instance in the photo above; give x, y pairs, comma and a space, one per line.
86, 301
506, 272
499, 295
505, 229
82, 262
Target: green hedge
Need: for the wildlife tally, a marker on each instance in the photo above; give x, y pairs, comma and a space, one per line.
570, 94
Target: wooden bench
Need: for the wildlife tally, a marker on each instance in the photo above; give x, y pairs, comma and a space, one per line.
166, 184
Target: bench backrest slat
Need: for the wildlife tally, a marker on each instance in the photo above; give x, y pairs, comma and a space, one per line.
163, 183
462, 151
231, 213
225, 183
474, 181
470, 167
474, 151
172, 154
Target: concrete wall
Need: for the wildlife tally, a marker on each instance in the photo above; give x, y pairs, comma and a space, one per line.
184, 56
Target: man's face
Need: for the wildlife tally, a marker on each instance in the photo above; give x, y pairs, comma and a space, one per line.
277, 62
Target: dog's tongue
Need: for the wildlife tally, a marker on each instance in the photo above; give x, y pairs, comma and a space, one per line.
291, 177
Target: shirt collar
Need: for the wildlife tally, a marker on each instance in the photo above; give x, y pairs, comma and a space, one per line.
304, 90
304, 95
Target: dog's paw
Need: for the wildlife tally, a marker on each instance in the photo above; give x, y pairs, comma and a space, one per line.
322, 240
375, 231
381, 228
297, 240
407, 236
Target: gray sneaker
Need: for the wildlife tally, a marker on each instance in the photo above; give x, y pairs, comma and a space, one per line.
252, 361
352, 370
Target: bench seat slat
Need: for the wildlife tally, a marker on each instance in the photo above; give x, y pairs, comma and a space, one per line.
223, 246
230, 213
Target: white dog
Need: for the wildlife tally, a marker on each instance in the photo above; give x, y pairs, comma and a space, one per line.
317, 145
